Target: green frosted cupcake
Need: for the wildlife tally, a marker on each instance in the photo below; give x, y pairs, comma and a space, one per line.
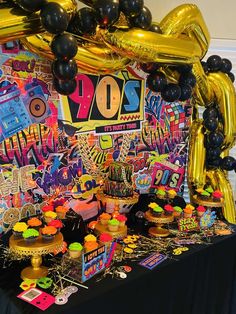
113, 224
205, 195
75, 249
161, 194
209, 190
30, 235
157, 211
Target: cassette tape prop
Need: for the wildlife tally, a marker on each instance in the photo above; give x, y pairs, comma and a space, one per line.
18, 111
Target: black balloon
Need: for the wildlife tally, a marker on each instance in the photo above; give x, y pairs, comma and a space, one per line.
143, 20
205, 66
215, 163
215, 139
226, 66
171, 92
186, 92
185, 68
214, 63
156, 81
84, 22
107, 12
228, 163
64, 46
149, 67
64, 70
131, 8
231, 76
187, 79
213, 153
64, 87
54, 18
155, 28
210, 124
210, 113
31, 5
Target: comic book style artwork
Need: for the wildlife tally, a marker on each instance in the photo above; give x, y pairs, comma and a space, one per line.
40, 159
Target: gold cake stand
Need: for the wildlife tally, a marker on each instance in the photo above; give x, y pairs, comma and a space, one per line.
35, 250
158, 231
117, 201
206, 203
120, 233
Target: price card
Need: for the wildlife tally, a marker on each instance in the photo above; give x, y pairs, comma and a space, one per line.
153, 260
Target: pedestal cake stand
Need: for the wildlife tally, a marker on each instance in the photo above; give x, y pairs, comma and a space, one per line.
158, 231
35, 250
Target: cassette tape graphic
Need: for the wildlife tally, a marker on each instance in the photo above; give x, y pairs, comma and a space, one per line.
17, 112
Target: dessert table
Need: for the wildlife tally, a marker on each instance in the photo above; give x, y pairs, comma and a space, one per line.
200, 281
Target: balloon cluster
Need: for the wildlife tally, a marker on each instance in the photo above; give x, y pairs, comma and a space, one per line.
170, 92
55, 20
215, 63
214, 139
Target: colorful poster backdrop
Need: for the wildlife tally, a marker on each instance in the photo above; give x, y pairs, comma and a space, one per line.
105, 103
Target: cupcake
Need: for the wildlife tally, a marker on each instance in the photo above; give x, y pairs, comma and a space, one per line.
49, 216
47, 208
171, 194
188, 212
199, 191
56, 223
190, 206
205, 195
168, 210
157, 211
61, 212
19, 228
122, 220
90, 246
217, 195
152, 205
48, 233
161, 194
90, 238
30, 235
105, 239
113, 224
34, 223
209, 190
75, 249
177, 211
104, 218
200, 211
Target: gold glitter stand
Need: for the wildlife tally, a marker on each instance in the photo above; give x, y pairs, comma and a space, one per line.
206, 203
120, 233
158, 231
35, 250
117, 201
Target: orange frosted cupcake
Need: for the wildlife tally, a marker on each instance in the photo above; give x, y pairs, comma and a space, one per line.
61, 212
90, 246
104, 218
188, 212
34, 223
48, 232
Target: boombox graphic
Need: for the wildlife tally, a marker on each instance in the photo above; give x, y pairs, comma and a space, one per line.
18, 111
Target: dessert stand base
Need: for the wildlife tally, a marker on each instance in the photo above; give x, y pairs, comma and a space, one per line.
158, 232
34, 273
120, 233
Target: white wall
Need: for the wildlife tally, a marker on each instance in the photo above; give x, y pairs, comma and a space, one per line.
220, 16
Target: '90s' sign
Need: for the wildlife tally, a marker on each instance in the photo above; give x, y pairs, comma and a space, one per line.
104, 100
167, 174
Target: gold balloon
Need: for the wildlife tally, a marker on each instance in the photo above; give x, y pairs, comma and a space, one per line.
90, 58
16, 23
203, 92
220, 182
146, 46
225, 96
197, 156
187, 19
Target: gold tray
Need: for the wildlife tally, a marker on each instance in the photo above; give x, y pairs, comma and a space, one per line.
198, 201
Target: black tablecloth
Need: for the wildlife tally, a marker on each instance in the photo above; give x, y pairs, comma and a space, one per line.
201, 281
